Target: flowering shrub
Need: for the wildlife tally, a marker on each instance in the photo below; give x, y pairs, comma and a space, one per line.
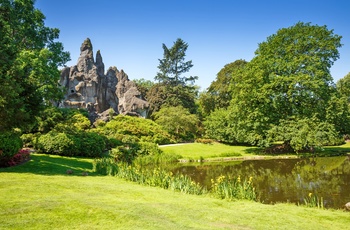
23, 155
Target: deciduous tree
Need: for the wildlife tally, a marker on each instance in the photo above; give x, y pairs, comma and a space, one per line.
29, 61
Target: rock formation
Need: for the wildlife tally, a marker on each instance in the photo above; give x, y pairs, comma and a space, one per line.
88, 87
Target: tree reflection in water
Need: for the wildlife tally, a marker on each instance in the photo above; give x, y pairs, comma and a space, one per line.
283, 180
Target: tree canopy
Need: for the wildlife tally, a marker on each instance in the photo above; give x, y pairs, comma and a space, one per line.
218, 94
173, 89
288, 79
173, 65
29, 61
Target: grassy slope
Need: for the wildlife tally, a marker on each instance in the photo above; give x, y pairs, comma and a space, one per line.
39, 195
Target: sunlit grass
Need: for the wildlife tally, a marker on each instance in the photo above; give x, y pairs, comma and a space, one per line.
197, 151
40, 195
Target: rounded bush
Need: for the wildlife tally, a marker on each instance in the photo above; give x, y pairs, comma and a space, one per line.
10, 144
72, 144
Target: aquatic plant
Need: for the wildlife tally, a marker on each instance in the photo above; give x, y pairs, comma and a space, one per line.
234, 188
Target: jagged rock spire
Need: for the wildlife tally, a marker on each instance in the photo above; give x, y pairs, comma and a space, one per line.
88, 87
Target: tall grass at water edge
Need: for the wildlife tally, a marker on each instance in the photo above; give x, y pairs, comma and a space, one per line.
223, 187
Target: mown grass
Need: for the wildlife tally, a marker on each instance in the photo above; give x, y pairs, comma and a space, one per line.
199, 151
40, 195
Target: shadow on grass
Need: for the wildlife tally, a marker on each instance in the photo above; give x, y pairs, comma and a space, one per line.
44, 164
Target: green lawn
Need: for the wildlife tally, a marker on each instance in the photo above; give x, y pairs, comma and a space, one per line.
40, 195
198, 150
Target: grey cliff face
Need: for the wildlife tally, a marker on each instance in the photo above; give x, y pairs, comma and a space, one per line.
88, 87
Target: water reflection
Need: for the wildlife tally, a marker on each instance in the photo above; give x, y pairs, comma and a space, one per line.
283, 180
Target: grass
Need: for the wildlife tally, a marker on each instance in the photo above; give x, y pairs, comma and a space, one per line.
40, 195
219, 152
197, 150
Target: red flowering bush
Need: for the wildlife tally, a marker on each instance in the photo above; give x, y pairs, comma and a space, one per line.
23, 155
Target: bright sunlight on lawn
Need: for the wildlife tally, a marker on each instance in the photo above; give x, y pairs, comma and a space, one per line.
40, 195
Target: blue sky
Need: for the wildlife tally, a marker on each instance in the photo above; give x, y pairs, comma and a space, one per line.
130, 33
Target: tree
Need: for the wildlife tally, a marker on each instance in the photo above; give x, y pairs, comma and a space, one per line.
218, 94
143, 86
173, 65
172, 88
343, 86
29, 61
178, 121
289, 78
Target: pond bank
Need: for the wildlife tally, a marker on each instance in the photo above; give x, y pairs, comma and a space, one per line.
240, 158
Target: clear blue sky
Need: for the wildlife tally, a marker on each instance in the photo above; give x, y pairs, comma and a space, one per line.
130, 33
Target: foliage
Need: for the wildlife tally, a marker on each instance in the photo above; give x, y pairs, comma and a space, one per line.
29, 64
218, 94
144, 86
55, 118
130, 149
10, 144
22, 156
161, 158
172, 88
173, 65
204, 141
305, 134
139, 128
178, 121
77, 143
154, 178
234, 188
161, 95
313, 201
289, 78
105, 166
220, 125
343, 87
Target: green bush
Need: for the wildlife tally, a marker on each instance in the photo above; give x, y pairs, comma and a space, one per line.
52, 116
29, 139
130, 150
10, 144
139, 128
147, 148
72, 144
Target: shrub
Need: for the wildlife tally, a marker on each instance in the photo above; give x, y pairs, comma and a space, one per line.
29, 139
143, 129
105, 166
22, 156
131, 149
91, 144
10, 144
205, 141
72, 144
57, 143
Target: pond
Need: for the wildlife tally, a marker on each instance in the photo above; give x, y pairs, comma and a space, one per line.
283, 180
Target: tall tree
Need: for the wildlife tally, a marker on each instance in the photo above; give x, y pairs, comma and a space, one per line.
29, 61
343, 86
173, 65
218, 94
288, 79
173, 89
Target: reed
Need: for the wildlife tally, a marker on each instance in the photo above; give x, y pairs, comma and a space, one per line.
313, 201
234, 188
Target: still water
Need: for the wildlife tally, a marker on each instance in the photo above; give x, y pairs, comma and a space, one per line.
283, 180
